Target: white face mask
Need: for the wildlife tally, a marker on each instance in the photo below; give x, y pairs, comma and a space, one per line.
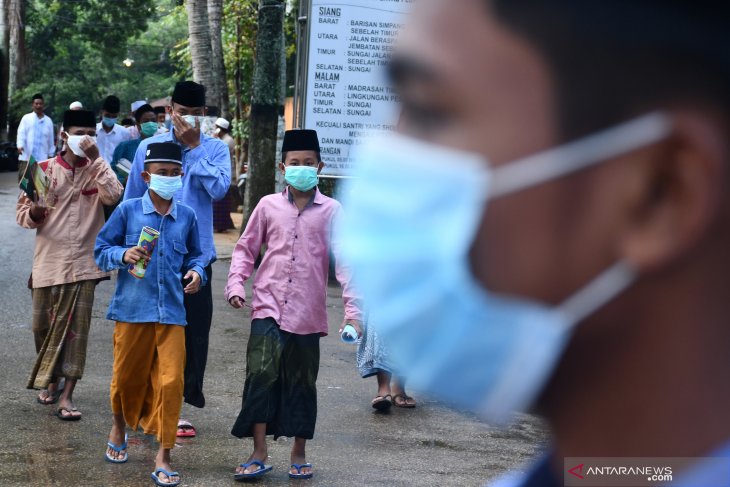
408, 229
192, 118
73, 142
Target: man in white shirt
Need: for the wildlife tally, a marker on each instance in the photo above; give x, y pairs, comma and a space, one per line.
35, 136
109, 134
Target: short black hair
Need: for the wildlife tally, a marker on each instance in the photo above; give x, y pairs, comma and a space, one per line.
37, 96
283, 156
142, 110
614, 59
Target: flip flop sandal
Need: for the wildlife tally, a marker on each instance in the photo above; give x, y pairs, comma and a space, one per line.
185, 429
263, 469
51, 398
299, 474
156, 477
382, 403
403, 403
69, 417
117, 449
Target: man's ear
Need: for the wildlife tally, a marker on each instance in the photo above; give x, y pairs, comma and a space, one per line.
145, 176
282, 168
64, 136
320, 166
675, 192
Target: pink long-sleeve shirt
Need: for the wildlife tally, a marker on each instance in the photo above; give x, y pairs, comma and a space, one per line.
291, 283
64, 243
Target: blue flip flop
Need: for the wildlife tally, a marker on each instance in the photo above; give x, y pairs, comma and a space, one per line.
299, 474
117, 449
263, 469
157, 481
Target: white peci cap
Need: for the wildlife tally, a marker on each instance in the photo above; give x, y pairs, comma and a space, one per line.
223, 123
75, 106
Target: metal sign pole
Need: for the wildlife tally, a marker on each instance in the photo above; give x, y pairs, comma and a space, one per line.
300, 85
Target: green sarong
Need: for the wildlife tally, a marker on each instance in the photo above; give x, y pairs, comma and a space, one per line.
280, 388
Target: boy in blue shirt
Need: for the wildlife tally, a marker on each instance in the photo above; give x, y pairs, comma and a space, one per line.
149, 338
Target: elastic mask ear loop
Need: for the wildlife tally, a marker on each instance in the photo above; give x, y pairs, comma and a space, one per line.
599, 292
582, 153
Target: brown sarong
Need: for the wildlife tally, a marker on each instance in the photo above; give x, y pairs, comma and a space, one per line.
61, 320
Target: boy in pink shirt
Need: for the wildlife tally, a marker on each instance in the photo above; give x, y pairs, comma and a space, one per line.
289, 306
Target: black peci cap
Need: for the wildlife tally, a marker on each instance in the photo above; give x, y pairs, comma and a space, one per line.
163, 152
159, 110
78, 118
111, 104
189, 94
300, 139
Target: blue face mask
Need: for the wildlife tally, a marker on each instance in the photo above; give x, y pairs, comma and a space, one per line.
302, 178
148, 129
108, 122
165, 186
413, 211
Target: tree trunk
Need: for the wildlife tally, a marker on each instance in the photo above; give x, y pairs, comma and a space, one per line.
200, 50
218, 67
4, 67
16, 52
238, 86
266, 103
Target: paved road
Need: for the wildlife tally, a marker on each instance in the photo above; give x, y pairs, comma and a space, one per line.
430, 445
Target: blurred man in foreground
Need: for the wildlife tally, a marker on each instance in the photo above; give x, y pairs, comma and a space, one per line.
592, 287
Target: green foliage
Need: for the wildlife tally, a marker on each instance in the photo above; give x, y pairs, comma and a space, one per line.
76, 48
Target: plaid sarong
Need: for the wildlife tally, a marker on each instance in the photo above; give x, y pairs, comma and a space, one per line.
61, 320
281, 382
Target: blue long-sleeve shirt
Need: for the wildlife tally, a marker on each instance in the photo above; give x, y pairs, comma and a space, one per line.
207, 177
158, 296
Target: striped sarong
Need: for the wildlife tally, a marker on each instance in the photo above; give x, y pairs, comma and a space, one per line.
61, 320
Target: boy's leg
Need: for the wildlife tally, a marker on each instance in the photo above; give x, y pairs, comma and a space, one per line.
133, 354
298, 409
260, 450
261, 392
168, 383
73, 354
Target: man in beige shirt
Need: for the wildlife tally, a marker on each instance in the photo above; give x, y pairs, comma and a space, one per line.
67, 219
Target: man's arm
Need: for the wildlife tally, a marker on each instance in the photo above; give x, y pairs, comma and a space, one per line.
50, 142
110, 245
110, 189
211, 164
245, 254
22, 134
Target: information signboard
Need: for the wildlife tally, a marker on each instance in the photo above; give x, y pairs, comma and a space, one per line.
347, 97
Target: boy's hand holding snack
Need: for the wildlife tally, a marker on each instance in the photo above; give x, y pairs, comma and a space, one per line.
134, 254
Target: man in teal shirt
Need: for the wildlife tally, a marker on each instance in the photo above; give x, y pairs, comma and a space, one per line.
146, 121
